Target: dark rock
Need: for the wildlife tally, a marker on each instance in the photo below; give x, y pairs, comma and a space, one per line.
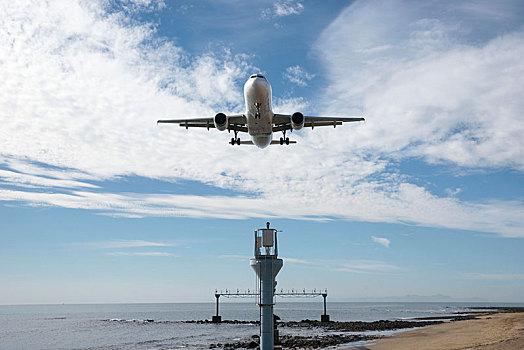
252, 345
359, 326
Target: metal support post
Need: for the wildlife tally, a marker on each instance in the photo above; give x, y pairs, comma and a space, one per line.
266, 269
324, 317
217, 318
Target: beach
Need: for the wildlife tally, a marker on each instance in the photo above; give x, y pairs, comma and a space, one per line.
501, 331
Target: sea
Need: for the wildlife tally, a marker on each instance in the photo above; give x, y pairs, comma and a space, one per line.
162, 326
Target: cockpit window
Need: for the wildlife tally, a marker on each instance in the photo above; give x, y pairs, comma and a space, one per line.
257, 76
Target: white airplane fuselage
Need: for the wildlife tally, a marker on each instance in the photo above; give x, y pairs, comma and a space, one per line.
259, 116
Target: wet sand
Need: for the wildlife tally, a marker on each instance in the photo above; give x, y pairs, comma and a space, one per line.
502, 331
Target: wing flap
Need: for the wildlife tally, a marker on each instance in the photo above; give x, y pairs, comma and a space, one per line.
333, 119
313, 124
188, 120
286, 118
282, 122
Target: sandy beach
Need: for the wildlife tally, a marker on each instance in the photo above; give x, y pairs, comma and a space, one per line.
502, 331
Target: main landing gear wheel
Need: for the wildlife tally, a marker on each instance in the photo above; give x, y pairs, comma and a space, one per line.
234, 141
284, 140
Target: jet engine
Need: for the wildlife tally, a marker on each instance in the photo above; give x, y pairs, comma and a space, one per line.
297, 121
221, 122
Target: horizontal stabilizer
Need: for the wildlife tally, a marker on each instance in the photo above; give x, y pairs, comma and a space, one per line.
274, 142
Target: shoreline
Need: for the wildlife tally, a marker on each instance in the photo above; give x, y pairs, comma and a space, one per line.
496, 328
494, 331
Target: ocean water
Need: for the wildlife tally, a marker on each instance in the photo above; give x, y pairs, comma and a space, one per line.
124, 326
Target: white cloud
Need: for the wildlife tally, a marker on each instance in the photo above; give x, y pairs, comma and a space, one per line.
285, 105
82, 90
142, 5
383, 241
140, 254
282, 8
431, 85
297, 75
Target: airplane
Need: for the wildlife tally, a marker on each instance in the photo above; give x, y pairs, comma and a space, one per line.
259, 121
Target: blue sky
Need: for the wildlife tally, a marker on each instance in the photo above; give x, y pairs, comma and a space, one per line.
99, 204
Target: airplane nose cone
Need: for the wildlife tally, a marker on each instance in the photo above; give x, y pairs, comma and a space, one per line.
256, 83
262, 141
258, 86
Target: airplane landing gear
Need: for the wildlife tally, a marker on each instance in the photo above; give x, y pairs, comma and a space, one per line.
284, 139
235, 140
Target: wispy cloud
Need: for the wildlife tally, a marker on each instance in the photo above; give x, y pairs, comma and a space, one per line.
366, 266
298, 261
382, 241
365, 201
353, 266
12, 178
286, 260
297, 75
140, 254
116, 244
233, 256
494, 276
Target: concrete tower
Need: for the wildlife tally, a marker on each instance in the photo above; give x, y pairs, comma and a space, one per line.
266, 265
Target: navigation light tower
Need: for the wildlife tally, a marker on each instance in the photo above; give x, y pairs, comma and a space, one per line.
266, 265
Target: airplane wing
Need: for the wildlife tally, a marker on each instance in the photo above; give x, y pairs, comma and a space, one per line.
283, 121
236, 122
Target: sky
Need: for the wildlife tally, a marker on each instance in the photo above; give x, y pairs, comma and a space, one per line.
98, 204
